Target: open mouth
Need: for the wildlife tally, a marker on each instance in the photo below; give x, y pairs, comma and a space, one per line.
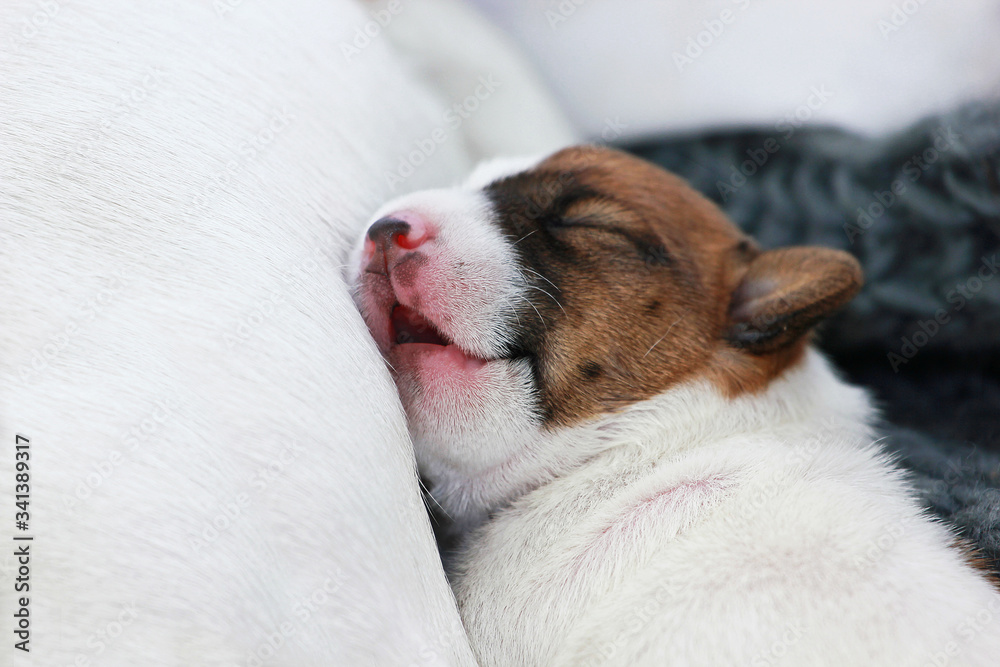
416, 337
409, 326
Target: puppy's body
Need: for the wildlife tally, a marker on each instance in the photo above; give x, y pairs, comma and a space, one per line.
756, 531
593, 359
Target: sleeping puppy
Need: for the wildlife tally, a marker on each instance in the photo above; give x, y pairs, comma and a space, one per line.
611, 390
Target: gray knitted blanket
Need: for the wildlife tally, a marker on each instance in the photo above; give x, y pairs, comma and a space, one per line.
921, 211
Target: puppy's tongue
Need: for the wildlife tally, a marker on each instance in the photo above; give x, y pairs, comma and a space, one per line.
409, 326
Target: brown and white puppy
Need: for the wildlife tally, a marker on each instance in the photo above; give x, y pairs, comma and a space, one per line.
591, 355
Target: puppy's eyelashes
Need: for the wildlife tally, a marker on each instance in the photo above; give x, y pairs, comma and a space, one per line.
630, 244
563, 222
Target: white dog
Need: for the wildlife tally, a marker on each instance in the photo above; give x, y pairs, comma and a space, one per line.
610, 379
218, 469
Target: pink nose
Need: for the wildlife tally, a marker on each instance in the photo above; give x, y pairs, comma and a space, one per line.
403, 230
394, 235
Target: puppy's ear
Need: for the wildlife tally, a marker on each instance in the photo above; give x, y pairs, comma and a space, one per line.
786, 292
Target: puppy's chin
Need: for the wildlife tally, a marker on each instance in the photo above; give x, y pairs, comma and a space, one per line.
467, 417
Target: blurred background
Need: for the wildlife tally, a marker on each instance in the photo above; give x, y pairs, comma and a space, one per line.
663, 66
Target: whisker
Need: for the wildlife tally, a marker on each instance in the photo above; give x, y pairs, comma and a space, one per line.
543, 278
426, 495
512, 309
540, 318
664, 335
551, 297
525, 236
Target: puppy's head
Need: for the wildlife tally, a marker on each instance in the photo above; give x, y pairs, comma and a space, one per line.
543, 295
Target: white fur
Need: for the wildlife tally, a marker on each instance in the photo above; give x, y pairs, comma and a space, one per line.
491, 170
220, 468
456, 50
802, 546
687, 529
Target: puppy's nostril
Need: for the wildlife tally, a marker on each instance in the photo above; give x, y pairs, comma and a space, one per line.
388, 229
405, 229
412, 239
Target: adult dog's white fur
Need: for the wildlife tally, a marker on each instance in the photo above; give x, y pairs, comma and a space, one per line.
686, 529
220, 471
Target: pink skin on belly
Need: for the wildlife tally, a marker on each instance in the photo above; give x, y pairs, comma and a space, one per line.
682, 499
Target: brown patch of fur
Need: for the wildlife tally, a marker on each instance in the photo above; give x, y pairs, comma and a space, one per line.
644, 270
975, 559
786, 292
